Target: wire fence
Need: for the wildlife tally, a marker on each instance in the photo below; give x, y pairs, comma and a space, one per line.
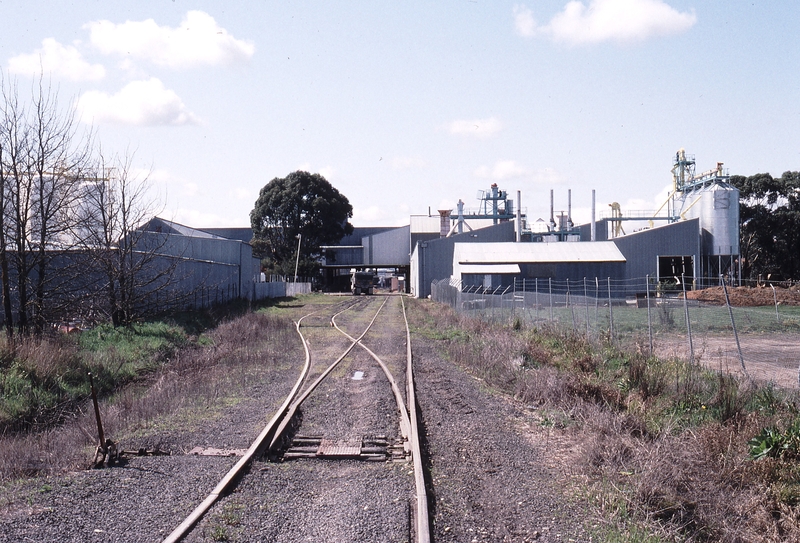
657, 318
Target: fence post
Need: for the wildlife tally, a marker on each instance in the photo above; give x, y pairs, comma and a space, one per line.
597, 302
586, 304
550, 292
610, 313
733, 325
536, 298
571, 309
688, 323
649, 317
775, 297
514, 301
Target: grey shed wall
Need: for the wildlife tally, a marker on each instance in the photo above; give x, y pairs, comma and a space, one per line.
434, 258
387, 249
642, 249
205, 262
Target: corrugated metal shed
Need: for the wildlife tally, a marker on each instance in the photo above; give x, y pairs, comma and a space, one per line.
490, 269
433, 259
476, 253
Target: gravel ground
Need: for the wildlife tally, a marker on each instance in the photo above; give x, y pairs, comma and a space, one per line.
488, 481
330, 500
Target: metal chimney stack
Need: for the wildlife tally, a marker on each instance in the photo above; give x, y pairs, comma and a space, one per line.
569, 209
444, 222
552, 216
594, 223
519, 216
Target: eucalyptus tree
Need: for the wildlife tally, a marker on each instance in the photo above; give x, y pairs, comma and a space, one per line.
770, 225
294, 216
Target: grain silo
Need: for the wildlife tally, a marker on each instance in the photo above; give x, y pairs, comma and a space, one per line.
710, 198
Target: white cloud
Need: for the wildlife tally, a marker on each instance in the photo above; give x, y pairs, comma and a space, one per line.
503, 169
143, 103
524, 23
197, 40
56, 59
607, 20
479, 128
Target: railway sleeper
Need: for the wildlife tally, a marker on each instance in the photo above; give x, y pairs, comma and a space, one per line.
374, 448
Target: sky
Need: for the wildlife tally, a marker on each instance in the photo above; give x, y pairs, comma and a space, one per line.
407, 107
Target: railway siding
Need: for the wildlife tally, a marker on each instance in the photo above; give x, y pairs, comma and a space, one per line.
487, 481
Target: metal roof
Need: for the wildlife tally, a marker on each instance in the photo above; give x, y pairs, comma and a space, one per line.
153, 226
489, 269
520, 253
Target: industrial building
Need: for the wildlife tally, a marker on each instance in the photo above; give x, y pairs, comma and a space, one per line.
198, 261
694, 236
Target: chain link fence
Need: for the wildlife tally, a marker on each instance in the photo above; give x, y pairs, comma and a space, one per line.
655, 317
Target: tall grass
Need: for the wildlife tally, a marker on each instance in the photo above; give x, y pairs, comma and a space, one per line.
144, 373
662, 444
43, 377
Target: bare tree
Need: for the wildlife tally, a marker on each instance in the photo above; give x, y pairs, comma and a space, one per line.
11, 149
113, 207
44, 158
60, 159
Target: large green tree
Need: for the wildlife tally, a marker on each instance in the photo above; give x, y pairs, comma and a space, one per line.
301, 207
770, 225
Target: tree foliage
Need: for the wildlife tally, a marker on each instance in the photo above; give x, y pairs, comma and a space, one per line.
300, 204
770, 225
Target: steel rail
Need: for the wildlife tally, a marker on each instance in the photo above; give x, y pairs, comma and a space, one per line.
297, 403
257, 446
423, 524
405, 423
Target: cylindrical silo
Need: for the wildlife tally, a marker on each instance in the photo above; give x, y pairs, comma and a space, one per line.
719, 217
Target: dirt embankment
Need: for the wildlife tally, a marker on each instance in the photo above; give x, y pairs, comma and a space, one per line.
747, 296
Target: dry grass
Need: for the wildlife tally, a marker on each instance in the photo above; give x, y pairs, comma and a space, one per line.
195, 376
660, 445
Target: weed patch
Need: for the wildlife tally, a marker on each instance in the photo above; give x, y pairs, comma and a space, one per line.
670, 451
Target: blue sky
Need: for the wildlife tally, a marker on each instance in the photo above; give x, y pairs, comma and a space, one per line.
408, 105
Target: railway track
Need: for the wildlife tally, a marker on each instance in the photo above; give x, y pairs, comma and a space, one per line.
354, 399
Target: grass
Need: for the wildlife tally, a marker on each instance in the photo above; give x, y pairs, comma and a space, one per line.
663, 444
153, 377
629, 320
44, 377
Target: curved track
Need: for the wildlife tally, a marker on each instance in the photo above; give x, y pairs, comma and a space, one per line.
273, 437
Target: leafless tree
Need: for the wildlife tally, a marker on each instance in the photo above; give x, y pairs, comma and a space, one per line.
115, 203
11, 150
60, 161
43, 160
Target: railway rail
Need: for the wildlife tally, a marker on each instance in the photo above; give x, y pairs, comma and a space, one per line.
276, 441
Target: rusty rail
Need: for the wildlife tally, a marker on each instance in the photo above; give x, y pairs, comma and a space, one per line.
257, 446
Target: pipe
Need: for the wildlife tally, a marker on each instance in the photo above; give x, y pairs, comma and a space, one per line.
569, 209
594, 222
552, 217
